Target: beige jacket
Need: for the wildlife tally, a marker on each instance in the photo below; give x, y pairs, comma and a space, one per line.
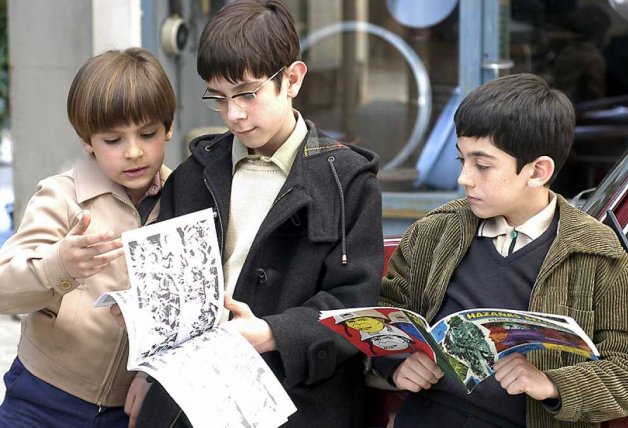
65, 341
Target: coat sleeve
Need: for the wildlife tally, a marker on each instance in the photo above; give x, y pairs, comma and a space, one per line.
33, 275
311, 352
606, 395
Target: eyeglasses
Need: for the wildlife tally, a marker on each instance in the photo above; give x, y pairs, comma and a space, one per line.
243, 100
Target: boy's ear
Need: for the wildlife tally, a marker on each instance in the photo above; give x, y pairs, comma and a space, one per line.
296, 74
170, 132
541, 171
87, 147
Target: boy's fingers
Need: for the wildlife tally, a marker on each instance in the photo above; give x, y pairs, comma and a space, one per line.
82, 225
239, 309
115, 309
106, 258
98, 238
117, 315
106, 252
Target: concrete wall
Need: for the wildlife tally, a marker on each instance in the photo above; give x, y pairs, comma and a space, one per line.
50, 40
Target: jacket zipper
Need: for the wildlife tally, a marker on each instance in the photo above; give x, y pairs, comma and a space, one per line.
110, 375
222, 229
137, 214
116, 362
280, 198
174, 421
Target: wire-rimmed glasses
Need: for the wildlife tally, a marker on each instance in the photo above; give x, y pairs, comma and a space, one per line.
243, 100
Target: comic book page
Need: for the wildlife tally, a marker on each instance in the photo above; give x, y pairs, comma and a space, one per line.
465, 344
172, 312
176, 282
219, 380
380, 331
475, 339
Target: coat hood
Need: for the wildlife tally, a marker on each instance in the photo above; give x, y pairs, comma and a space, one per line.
322, 171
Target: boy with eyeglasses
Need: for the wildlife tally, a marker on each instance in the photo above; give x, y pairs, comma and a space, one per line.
299, 216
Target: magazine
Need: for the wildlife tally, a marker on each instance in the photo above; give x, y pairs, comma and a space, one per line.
172, 313
464, 344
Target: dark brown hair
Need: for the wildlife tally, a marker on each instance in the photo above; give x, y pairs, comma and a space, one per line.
522, 116
254, 36
118, 88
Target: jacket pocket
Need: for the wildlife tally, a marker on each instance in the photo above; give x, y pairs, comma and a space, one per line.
586, 320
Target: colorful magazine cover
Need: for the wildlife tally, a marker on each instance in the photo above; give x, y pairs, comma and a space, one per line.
464, 344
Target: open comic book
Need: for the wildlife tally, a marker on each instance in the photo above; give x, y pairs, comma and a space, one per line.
464, 344
172, 313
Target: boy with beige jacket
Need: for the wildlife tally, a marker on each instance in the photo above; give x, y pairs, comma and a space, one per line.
70, 369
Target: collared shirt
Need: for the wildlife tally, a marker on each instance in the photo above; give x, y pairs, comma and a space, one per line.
256, 182
502, 233
154, 188
283, 157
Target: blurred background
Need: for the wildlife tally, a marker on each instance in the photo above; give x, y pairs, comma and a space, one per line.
384, 74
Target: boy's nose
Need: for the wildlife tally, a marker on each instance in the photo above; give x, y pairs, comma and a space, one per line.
134, 149
234, 111
463, 179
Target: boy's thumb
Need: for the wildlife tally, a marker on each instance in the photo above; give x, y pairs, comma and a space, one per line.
83, 223
236, 308
229, 302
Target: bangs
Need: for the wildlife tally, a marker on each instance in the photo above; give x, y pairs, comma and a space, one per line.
126, 97
119, 89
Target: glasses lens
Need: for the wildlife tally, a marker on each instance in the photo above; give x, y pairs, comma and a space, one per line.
245, 100
215, 104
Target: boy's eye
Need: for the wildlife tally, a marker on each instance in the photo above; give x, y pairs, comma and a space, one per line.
245, 96
216, 98
150, 134
111, 140
481, 167
459, 159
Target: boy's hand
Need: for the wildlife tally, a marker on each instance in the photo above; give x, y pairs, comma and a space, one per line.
135, 398
117, 314
517, 376
85, 255
416, 373
255, 330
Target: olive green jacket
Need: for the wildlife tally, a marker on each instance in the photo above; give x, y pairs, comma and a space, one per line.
584, 275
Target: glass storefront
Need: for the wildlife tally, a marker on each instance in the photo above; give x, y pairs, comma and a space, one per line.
365, 87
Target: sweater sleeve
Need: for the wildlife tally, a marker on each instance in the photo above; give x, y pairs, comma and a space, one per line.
311, 352
33, 275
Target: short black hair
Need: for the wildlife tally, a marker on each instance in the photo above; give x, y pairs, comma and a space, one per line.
522, 116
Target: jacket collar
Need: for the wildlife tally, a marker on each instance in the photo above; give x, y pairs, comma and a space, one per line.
310, 183
90, 181
581, 233
577, 232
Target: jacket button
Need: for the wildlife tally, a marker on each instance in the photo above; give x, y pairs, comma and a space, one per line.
261, 274
321, 355
65, 285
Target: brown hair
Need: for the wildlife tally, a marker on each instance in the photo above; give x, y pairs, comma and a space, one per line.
118, 88
255, 36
